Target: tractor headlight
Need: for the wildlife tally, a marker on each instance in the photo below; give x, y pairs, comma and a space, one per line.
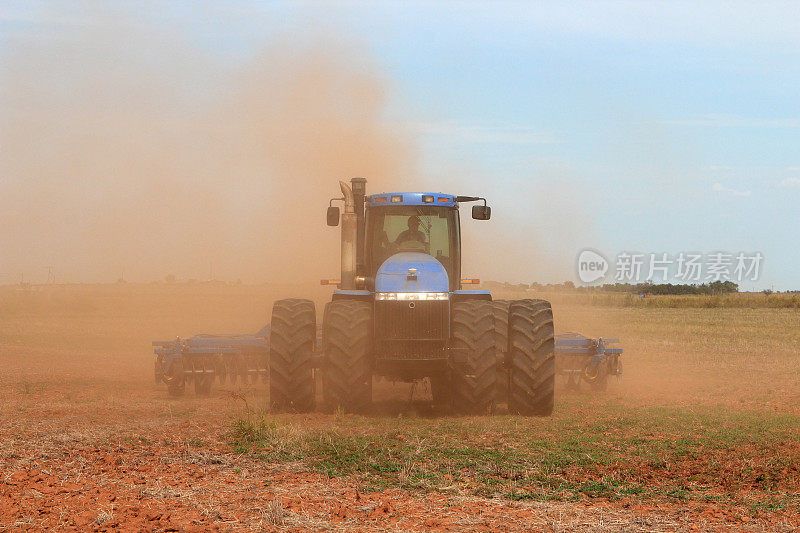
412, 296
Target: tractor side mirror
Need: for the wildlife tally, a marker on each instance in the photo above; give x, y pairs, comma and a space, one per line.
481, 212
333, 216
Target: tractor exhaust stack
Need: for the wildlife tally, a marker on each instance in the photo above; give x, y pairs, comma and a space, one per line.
359, 188
349, 238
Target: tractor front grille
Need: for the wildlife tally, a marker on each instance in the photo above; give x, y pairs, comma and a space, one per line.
411, 329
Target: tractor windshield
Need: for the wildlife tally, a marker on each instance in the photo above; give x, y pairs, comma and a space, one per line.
409, 228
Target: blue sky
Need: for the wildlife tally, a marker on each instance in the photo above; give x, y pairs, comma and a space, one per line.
620, 126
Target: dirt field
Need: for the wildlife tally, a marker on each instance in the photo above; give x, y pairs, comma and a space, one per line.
702, 432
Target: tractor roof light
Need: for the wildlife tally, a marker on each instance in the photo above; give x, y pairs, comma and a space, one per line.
427, 199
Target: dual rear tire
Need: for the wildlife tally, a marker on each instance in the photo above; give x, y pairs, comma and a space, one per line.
509, 357
347, 346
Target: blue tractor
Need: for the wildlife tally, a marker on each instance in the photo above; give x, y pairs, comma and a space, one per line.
400, 311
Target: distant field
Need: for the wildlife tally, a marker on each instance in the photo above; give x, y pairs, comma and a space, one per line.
617, 299
128, 316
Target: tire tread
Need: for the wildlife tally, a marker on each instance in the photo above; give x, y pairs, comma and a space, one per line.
473, 382
347, 341
293, 331
531, 345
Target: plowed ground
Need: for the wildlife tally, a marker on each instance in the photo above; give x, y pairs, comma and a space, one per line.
702, 433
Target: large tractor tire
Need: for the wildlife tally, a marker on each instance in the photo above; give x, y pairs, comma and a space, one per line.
176, 381
532, 373
473, 376
500, 308
347, 342
291, 345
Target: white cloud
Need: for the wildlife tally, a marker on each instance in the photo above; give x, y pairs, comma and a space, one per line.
793, 169
721, 188
790, 183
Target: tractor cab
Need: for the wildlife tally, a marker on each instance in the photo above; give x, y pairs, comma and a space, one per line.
411, 223
413, 235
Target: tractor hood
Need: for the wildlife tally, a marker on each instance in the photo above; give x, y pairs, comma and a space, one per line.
397, 274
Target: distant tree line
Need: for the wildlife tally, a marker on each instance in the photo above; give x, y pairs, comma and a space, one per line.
715, 287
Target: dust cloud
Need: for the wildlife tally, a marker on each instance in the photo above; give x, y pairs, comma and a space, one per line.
540, 222
129, 151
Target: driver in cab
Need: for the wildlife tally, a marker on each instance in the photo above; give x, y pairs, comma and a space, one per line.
412, 233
